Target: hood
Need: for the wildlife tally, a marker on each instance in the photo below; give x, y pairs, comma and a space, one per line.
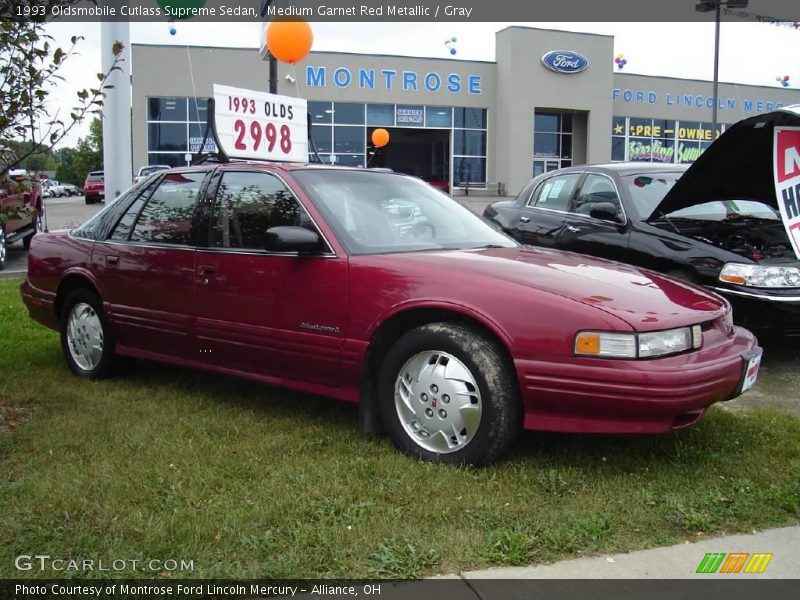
644, 299
738, 165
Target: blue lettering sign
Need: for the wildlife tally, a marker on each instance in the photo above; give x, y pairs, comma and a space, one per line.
474, 84
388, 74
342, 77
409, 81
315, 78
366, 78
454, 83
433, 82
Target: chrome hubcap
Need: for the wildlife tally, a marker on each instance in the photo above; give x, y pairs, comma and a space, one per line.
2, 246
85, 336
37, 224
438, 402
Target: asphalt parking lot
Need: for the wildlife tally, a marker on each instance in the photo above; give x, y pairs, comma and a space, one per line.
778, 385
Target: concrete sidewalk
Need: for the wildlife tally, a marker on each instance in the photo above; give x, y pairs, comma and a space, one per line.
672, 562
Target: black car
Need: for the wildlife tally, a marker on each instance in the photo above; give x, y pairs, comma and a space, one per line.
719, 226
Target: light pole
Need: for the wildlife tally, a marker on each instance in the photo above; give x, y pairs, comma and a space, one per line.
716, 6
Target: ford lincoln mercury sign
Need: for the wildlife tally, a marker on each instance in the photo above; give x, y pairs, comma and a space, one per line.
565, 61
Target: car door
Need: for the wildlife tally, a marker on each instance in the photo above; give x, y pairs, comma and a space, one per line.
597, 223
275, 314
146, 267
542, 216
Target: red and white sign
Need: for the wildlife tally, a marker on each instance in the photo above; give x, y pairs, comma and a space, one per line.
261, 126
786, 166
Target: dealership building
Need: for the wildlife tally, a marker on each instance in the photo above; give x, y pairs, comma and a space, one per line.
550, 99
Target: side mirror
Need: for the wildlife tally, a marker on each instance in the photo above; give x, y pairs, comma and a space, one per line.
607, 211
291, 239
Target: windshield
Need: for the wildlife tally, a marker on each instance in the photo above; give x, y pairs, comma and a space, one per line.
647, 190
374, 212
727, 209
145, 171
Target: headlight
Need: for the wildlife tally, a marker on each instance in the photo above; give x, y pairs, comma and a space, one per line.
638, 345
760, 276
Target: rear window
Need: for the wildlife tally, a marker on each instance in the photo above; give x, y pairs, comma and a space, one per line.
98, 176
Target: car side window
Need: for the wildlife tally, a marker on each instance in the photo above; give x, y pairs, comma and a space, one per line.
122, 231
555, 193
247, 204
597, 189
167, 216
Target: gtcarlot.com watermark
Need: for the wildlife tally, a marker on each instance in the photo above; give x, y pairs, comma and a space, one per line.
47, 563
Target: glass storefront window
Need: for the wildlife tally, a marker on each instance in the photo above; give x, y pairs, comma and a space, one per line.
468, 170
469, 118
469, 143
350, 160
348, 113
166, 136
323, 138
321, 112
380, 115
438, 116
545, 144
349, 140
160, 158
166, 109
546, 122
198, 109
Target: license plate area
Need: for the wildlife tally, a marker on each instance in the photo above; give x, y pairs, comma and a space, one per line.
752, 365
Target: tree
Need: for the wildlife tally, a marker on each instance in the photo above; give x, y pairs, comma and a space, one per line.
88, 154
29, 65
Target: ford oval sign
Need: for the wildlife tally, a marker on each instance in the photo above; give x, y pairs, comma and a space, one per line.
565, 61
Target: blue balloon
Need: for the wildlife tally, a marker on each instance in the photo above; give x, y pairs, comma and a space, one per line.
172, 31
452, 50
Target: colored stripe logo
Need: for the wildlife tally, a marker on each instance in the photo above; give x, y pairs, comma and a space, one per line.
735, 562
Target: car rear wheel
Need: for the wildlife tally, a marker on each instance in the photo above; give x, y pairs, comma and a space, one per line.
448, 394
2, 248
38, 227
86, 339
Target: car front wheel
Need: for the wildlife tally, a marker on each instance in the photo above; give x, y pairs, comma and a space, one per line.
448, 394
86, 339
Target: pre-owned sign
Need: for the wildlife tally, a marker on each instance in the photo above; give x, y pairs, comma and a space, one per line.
262, 126
786, 165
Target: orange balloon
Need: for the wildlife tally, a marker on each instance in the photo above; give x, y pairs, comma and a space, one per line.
289, 40
380, 137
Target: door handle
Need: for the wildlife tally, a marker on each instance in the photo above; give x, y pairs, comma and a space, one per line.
525, 219
112, 261
207, 270
573, 229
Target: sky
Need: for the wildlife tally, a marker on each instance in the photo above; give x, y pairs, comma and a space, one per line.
750, 53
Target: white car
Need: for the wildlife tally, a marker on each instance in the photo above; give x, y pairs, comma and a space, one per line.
53, 189
145, 172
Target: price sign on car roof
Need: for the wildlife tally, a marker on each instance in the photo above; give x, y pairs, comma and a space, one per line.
261, 126
786, 164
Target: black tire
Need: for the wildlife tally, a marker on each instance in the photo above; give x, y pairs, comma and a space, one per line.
3, 247
103, 366
38, 226
499, 403
88, 200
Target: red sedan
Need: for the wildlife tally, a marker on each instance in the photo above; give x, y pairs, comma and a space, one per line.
372, 287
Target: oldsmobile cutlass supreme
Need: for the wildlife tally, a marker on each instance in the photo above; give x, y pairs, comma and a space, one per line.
373, 287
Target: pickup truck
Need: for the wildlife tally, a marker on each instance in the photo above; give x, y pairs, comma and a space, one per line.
21, 211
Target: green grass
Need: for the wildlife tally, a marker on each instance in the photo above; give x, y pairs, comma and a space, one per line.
252, 481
